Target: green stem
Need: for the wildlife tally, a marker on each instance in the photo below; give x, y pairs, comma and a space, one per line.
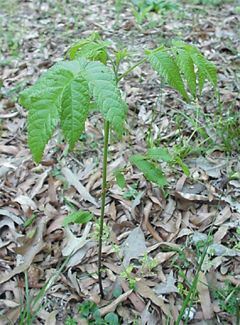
131, 69
104, 190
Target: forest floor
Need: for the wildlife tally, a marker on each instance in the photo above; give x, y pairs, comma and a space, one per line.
186, 232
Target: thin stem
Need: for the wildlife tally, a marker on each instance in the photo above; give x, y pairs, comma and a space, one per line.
104, 190
193, 288
131, 69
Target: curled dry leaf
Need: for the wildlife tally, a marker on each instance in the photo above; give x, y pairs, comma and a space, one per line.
147, 224
10, 150
111, 307
12, 216
39, 184
26, 203
169, 209
198, 198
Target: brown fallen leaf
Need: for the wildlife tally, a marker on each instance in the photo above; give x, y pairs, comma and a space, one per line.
163, 257
10, 150
147, 224
26, 203
166, 287
168, 211
52, 190
73, 181
223, 216
137, 302
113, 305
134, 246
221, 233
146, 292
72, 243
51, 318
39, 184
147, 317
35, 247
204, 296
198, 198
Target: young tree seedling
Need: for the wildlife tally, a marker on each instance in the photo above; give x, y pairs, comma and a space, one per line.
67, 92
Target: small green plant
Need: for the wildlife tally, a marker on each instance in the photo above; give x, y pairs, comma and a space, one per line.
68, 91
148, 263
142, 8
210, 2
128, 275
120, 180
31, 305
228, 298
89, 310
70, 321
104, 232
149, 164
131, 193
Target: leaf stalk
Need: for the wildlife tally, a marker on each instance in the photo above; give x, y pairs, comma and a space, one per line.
131, 69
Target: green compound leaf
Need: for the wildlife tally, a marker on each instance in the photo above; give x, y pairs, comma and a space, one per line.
206, 70
149, 169
103, 87
165, 65
159, 154
185, 63
75, 105
91, 48
43, 100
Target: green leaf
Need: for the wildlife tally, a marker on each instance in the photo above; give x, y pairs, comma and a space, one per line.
206, 70
91, 48
186, 66
103, 87
43, 101
111, 319
167, 68
75, 105
184, 167
159, 154
150, 171
120, 178
79, 217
